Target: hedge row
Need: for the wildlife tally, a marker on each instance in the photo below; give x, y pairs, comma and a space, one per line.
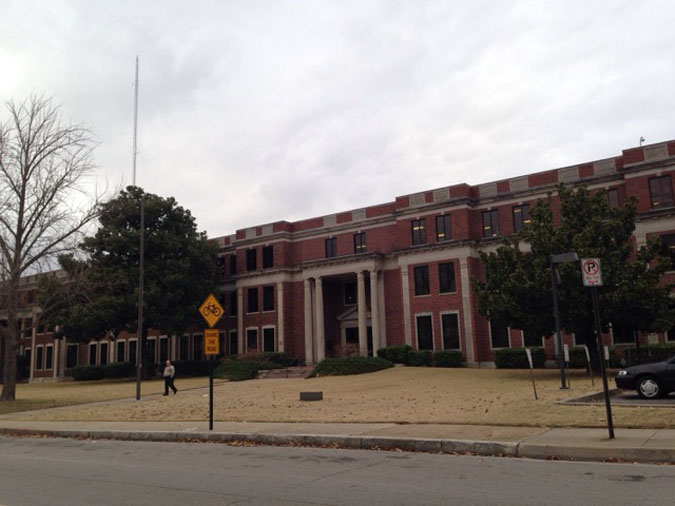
516, 358
247, 366
349, 365
108, 371
404, 354
22, 367
648, 353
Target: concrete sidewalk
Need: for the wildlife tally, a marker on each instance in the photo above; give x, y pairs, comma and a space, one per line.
633, 445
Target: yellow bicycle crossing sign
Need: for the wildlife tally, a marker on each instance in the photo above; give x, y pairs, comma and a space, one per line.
211, 310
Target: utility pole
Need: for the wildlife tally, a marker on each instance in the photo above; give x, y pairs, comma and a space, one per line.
133, 173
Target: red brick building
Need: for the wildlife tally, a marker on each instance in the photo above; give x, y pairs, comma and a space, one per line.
393, 273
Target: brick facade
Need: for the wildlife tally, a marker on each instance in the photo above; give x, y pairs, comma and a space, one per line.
326, 300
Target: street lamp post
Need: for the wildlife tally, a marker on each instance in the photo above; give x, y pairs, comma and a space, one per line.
555, 260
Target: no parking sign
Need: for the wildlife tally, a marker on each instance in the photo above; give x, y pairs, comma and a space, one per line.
590, 269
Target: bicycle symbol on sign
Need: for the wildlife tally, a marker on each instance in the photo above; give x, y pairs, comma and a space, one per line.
211, 309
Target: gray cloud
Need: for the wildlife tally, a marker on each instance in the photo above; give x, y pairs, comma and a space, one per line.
251, 112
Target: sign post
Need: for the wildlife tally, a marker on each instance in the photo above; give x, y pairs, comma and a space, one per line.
211, 311
592, 276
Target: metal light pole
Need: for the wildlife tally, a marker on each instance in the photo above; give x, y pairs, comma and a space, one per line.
553, 261
139, 334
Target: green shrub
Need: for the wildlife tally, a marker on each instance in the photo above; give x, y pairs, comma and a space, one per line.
516, 358
280, 359
447, 358
22, 367
87, 372
648, 353
237, 370
118, 370
349, 365
396, 354
185, 368
578, 358
419, 358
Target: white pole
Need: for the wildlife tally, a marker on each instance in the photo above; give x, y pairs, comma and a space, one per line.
133, 179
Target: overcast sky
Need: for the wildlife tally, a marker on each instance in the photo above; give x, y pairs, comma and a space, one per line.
257, 111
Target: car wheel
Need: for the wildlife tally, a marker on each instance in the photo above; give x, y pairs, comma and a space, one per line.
649, 388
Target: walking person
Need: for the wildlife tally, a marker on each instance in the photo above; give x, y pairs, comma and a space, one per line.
169, 373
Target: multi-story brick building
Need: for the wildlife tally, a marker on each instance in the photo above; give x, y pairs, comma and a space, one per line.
392, 273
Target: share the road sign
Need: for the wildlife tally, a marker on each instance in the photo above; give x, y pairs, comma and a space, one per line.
211, 344
590, 269
211, 310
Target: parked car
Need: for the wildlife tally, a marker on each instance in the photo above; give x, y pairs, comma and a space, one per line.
650, 381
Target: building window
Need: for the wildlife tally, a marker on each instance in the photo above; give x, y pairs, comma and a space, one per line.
660, 192
499, 334
268, 257
252, 295
670, 335
418, 234
103, 352
450, 327
268, 339
49, 357
360, 242
163, 349
132, 351
197, 346
530, 340
623, 335
331, 247
92, 354
71, 355
151, 346
668, 248
233, 304
251, 339
185, 347
39, 350
425, 336
221, 344
234, 343
120, 350
233, 264
521, 217
613, 198
443, 228
421, 274
220, 262
268, 298
446, 277
350, 293
251, 259
491, 223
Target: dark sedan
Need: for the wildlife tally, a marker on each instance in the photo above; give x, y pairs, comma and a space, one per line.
650, 381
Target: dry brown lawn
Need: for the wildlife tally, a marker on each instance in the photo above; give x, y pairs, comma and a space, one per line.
402, 395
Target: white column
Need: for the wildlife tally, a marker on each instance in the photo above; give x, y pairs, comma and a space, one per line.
466, 307
56, 358
382, 309
309, 335
280, 317
361, 307
405, 289
240, 321
320, 329
375, 310
32, 351
64, 351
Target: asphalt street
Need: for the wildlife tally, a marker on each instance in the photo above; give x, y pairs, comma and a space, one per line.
41, 471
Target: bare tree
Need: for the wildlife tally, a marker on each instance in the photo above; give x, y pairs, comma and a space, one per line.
44, 205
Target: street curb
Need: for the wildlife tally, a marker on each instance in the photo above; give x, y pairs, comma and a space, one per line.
424, 445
